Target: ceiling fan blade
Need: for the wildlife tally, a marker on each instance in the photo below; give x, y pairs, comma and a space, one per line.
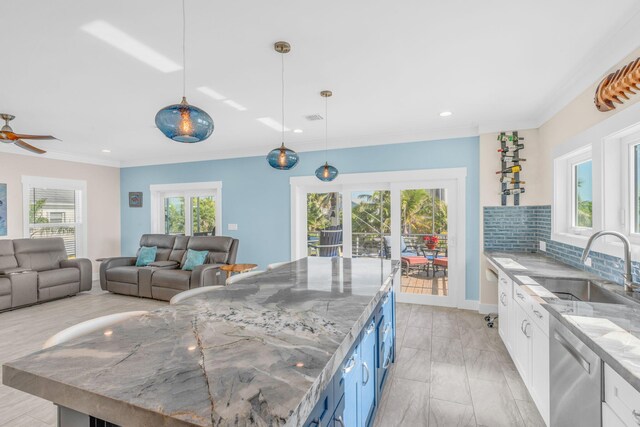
20, 143
24, 136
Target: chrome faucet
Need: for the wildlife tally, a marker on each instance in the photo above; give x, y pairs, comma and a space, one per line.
629, 286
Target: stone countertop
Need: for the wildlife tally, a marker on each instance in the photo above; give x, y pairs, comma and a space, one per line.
259, 352
612, 331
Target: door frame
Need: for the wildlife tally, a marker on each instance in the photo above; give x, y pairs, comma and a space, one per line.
454, 178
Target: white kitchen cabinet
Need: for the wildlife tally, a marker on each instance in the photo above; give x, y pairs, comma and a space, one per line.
539, 380
621, 398
522, 344
609, 418
505, 314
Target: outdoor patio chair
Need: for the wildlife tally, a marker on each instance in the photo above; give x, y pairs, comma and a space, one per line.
406, 250
330, 242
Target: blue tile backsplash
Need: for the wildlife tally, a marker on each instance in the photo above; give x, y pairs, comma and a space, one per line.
521, 228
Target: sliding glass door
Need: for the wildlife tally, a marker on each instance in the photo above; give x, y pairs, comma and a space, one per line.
418, 223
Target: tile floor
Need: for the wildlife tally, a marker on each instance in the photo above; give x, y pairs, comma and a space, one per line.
451, 370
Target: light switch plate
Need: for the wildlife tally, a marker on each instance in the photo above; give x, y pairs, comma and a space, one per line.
233, 227
588, 262
543, 246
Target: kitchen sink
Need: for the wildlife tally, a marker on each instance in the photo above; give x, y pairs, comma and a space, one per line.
580, 290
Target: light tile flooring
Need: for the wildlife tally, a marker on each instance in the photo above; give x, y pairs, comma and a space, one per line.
452, 370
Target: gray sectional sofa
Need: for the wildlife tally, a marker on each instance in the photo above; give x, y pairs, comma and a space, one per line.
37, 270
164, 278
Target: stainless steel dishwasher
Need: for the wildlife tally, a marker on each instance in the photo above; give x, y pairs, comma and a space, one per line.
576, 380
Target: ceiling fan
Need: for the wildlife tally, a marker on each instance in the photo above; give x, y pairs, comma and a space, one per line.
8, 136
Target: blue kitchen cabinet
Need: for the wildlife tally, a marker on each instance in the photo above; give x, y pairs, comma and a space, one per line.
385, 340
368, 373
352, 398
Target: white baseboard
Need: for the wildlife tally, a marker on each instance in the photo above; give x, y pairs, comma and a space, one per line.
469, 305
487, 308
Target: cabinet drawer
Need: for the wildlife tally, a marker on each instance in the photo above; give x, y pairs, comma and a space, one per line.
609, 418
622, 398
538, 314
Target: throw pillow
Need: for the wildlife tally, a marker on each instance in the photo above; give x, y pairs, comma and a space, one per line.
146, 255
194, 259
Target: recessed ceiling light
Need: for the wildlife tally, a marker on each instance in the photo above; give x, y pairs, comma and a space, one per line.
212, 93
120, 40
108, 332
446, 114
106, 151
273, 124
297, 131
235, 105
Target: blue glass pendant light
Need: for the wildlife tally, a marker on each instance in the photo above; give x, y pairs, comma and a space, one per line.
183, 122
282, 158
326, 172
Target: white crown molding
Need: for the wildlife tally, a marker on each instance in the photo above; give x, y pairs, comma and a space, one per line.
620, 42
312, 145
54, 155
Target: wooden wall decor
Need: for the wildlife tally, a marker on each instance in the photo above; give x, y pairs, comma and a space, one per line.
510, 161
617, 86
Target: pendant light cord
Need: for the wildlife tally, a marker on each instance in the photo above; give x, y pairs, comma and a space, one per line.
326, 129
282, 54
184, 50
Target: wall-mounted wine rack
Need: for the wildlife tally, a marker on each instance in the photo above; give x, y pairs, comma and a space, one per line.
510, 184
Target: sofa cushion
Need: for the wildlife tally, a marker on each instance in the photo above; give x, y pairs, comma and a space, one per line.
146, 255
194, 259
5, 286
174, 279
179, 249
7, 257
218, 247
125, 274
40, 254
163, 242
60, 276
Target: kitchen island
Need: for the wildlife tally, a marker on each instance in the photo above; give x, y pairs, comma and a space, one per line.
286, 347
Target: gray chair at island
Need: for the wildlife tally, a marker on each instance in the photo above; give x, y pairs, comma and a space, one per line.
38, 270
165, 278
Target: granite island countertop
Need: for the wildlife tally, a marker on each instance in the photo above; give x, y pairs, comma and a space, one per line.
612, 331
258, 352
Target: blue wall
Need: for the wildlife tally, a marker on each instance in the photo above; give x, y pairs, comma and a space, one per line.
257, 197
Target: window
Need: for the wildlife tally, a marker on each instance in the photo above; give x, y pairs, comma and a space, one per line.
186, 209
54, 208
573, 203
582, 195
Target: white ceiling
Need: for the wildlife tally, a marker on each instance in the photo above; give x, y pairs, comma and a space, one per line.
393, 67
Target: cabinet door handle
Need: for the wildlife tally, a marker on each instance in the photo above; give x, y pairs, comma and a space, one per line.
347, 368
520, 295
387, 361
502, 299
339, 420
387, 328
316, 422
365, 370
636, 415
386, 299
522, 326
371, 328
537, 313
525, 330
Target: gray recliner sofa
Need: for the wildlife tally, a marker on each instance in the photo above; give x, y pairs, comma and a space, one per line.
165, 278
37, 270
